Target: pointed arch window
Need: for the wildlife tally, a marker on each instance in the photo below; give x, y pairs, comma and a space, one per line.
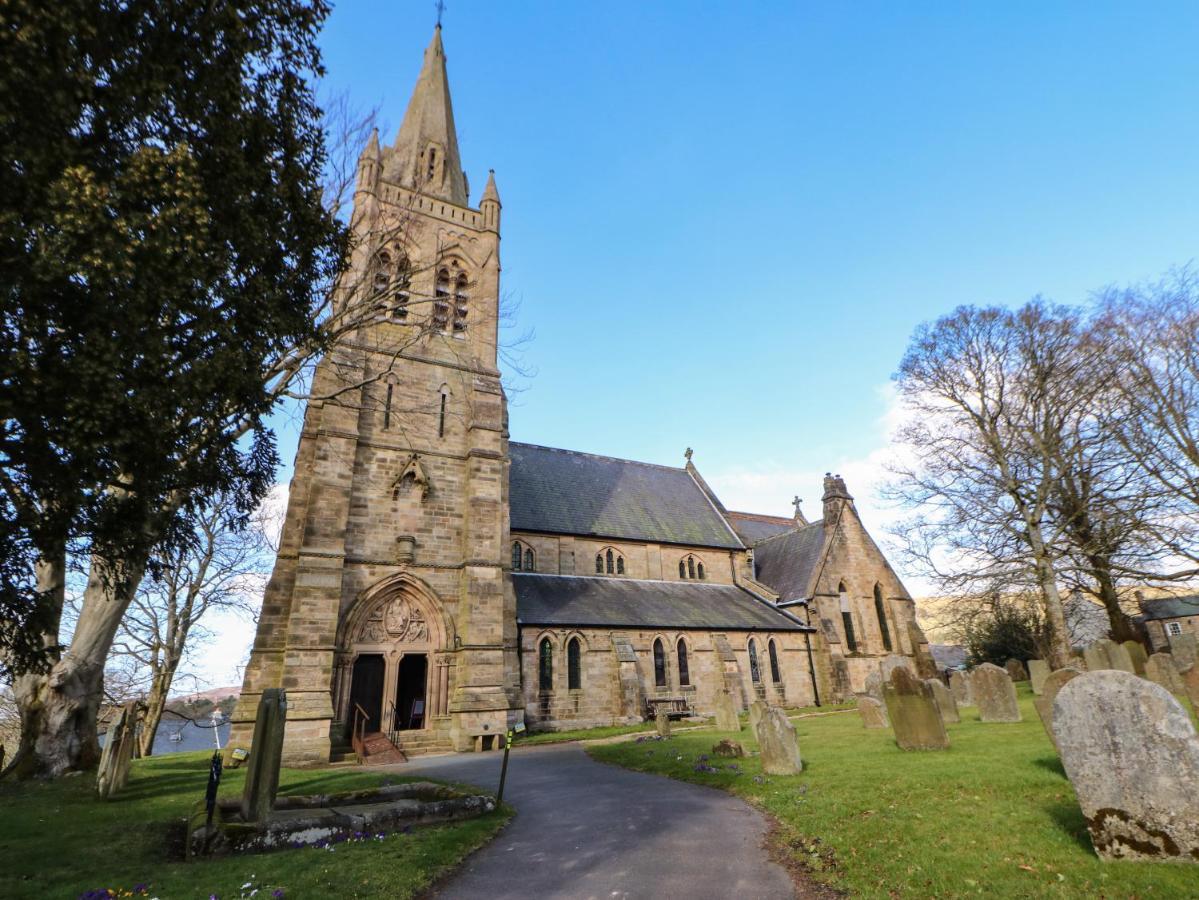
381, 277
608, 559
880, 610
523, 557
690, 567
517, 556
851, 640
574, 668
684, 670
441, 300
755, 671
659, 664
599, 564
545, 666
461, 306
775, 675
401, 283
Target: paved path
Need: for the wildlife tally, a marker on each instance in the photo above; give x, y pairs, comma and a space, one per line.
586, 830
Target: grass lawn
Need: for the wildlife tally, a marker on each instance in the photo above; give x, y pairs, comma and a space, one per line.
994, 816
57, 840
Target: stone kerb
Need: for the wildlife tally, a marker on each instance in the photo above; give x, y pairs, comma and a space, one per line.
778, 744
873, 713
995, 694
945, 702
913, 712
1038, 671
959, 684
1049, 691
1132, 754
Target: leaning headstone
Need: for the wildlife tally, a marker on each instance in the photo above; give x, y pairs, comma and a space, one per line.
1132, 754
1016, 670
1136, 653
1044, 703
913, 712
778, 744
662, 723
894, 661
873, 713
1185, 649
262, 768
945, 702
1160, 669
1038, 671
117, 755
995, 694
726, 713
757, 709
1118, 657
959, 684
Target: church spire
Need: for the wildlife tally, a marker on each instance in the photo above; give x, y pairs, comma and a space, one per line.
425, 154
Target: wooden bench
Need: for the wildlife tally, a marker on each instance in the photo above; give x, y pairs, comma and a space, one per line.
674, 707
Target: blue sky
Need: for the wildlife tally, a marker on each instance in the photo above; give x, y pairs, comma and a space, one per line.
723, 221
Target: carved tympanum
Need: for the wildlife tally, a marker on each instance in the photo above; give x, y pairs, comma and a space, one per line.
400, 621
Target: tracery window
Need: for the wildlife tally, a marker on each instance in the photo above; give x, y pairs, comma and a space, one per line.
545, 666
775, 675
609, 562
755, 672
441, 300
684, 671
574, 673
690, 567
659, 663
523, 558
460, 303
880, 610
847, 619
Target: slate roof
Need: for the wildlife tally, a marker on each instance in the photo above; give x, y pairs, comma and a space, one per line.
568, 492
752, 527
1171, 607
630, 603
786, 561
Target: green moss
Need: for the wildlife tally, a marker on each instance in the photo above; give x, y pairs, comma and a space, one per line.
58, 840
994, 816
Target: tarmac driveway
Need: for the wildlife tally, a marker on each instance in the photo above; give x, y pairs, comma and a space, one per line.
588, 830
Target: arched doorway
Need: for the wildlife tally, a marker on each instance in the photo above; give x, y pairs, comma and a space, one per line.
393, 651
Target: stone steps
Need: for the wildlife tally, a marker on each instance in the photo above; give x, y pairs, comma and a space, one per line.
379, 751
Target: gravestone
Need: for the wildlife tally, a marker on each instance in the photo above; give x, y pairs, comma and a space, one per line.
726, 713
959, 685
1118, 657
262, 768
1038, 671
778, 744
945, 701
912, 710
1016, 670
842, 688
1132, 754
894, 661
1190, 682
1185, 649
757, 709
995, 694
1160, 669
728, 749
873, 713
1044, 703
1095, 657
662, 723
117, 755
874, 685
1136, 652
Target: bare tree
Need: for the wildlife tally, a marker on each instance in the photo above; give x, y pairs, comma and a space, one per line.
223, 567
987, 392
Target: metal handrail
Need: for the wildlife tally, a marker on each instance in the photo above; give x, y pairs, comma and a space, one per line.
393, 732
358, 731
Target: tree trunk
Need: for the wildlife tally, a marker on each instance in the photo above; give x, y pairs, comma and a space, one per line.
63, 737
1122, 627
156, 704
29, 688
1055, 615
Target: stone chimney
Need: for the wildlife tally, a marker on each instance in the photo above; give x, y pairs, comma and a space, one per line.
835, 495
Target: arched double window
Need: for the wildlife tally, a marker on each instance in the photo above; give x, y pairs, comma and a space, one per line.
523, 558
545, 666
755, 671
609, 562
461, 306
851, 640
441, 300
659, 664
775, 675
574, 665
690, 567
389, 284
684, 670
880, 610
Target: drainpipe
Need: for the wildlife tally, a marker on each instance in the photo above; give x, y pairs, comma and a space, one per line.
807, 639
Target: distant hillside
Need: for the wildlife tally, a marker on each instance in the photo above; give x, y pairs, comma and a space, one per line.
213, 695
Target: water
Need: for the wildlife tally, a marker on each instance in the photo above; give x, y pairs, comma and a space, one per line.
191, 737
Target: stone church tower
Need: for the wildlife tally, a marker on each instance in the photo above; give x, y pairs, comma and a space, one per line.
388, 602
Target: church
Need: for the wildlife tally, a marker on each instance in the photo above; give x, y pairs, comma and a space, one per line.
437, 583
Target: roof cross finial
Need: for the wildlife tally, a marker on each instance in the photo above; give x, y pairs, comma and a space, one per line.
796, 502
687, 453
440, 10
